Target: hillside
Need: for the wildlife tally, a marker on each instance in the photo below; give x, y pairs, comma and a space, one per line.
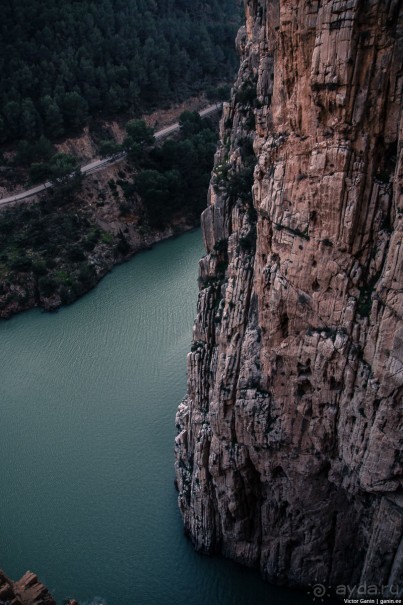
63, 62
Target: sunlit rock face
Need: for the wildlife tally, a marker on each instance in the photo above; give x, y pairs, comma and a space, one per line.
288, 454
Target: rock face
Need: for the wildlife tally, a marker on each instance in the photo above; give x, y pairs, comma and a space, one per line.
288, 454
27, 591
19, 291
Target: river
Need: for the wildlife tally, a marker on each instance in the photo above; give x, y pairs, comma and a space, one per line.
88, 398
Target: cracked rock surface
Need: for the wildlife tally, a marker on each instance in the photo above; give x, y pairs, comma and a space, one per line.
26, 591
289, 445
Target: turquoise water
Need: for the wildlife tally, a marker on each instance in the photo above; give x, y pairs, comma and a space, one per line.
88, 398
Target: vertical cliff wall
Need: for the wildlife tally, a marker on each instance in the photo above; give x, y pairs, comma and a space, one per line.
288, 454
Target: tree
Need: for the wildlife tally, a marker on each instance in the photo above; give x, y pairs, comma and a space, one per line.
52, 117
63, 166
66, 176
109, 148
39, 150
3, 130
43, 148
47, 286
190, 122
75, 110
62, 170
139, 139
30, 125
115, 99
12, 114
39, 172
65, 61
139, 133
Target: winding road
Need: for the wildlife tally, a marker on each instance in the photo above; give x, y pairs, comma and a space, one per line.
97, 165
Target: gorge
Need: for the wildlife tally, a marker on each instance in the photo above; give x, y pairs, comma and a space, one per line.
88, 398
289, 445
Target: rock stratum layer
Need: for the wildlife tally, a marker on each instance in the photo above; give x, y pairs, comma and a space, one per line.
288, 454
27, 591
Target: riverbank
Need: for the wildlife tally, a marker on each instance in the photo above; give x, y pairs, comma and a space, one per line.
88, 404
56, 249
52, 283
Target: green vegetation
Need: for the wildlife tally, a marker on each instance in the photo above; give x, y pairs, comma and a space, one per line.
28, 152
175, 177
63, 61
53, 252
237, 184
219, 93
59, 169
139, 139
109, 148
246, 94
171, 178
47, 248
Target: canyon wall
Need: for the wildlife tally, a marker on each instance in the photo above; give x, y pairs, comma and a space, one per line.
288, 453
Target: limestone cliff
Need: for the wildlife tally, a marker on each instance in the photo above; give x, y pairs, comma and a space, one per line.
288, 454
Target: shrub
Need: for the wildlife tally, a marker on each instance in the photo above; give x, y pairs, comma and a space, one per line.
39, 268
87, 274
47, 285
246, 94
39, 172
22, 263
76, 254
109, 148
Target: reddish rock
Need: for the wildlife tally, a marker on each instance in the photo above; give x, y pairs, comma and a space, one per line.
288, 454
27, 591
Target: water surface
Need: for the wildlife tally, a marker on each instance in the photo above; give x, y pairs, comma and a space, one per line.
88, 398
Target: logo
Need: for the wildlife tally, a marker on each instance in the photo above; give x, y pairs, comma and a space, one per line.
371, 594
319, 592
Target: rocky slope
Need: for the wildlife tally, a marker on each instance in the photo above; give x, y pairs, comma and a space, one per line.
100, 222
288, 454
27, 591
54, 250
